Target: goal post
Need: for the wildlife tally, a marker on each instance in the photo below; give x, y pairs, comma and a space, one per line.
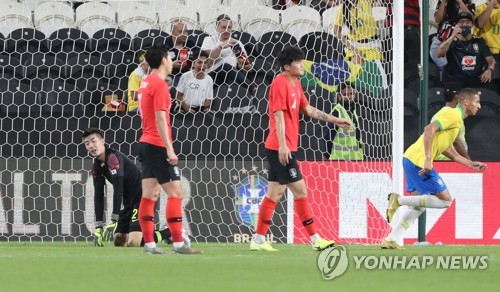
50, 94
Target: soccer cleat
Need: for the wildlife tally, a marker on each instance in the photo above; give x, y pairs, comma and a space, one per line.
392, 206
266, 246
153, 250
321, 244
184, 249
390, 245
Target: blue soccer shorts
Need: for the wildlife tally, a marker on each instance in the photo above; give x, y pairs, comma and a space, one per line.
430, 183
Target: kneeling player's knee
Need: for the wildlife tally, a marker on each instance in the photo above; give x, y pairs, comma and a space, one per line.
134, 239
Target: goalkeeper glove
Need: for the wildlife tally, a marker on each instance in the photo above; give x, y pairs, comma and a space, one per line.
110, 228
98, 237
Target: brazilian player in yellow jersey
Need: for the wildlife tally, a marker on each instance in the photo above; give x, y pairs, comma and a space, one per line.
427, 189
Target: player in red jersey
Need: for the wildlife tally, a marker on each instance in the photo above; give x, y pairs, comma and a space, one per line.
156, 152
286, 99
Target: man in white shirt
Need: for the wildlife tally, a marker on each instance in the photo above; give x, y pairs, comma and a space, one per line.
229, 57
195, 89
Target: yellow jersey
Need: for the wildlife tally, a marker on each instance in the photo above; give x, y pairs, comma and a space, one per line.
450, 121
491, 31
134, 82
363, 23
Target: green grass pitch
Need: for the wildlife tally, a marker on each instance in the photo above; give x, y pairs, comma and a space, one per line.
226, 267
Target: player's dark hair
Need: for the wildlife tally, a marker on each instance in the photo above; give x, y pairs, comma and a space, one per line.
289, 55
91, 131
155, 54
451, 90
467, 93
221, 18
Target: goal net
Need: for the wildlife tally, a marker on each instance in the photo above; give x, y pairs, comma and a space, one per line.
65, 66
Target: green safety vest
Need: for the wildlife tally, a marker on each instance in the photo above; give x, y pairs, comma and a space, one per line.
345, 145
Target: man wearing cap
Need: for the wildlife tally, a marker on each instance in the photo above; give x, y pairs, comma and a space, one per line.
469, 59
451, 91
134, 82
344, 144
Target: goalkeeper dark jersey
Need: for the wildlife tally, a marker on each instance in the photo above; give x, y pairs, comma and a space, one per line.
125, 177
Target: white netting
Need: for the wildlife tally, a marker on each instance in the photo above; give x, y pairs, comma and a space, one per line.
63, 63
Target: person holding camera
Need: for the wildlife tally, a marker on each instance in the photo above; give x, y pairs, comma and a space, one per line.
228, 59
470, 61
445, 15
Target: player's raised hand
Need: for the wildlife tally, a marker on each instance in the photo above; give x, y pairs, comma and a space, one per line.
427, 167
109, 230
284, 155
172, 157
478, 166
98, 237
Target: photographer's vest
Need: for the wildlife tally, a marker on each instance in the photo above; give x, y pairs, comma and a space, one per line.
345, 145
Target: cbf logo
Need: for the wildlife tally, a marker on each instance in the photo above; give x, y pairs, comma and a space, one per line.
249, 194
333, 262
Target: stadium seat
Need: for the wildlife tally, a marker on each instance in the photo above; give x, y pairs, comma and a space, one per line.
244, 3
208, 17
120, 67
110, 40
189, 16
299, 20
435, 100
68, 43
490, 103
10, 67
43, 66
248, 42
2, 42
161, 6
137, 18
272, 43
61, 99
13, 16
328, 18
411, 71
83, 68
51, 16
231, 96
17, 99
320, 98
483, 137
26, 41
320, 46
94, 16
257, 21
148, 37
197, 36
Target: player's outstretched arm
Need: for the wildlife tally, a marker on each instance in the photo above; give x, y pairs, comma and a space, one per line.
475, 165
316, 114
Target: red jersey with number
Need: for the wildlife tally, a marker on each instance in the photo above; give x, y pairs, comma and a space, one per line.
153, 96
290, 98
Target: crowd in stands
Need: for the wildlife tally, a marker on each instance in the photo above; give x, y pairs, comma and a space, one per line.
226, 60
